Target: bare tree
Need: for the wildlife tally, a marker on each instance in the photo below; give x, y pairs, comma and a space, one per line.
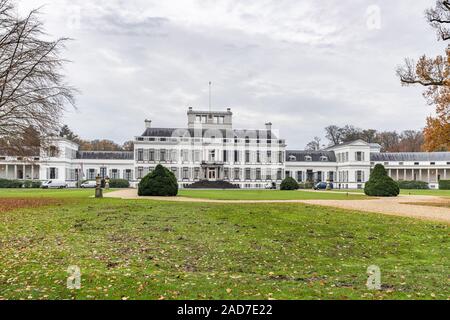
333, 134
33, 92
314, 145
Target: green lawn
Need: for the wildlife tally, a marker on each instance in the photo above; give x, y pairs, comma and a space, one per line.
136, 249
266, 195
438, 193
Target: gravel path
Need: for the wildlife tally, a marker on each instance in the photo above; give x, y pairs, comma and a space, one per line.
400, 206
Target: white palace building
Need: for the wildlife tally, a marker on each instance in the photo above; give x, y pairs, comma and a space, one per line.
209, 148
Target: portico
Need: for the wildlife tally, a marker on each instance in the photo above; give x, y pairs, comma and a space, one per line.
19, 171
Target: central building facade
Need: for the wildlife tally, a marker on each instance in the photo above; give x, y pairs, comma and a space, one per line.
209, 148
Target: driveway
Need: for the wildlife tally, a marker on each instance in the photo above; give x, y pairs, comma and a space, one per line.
399, 206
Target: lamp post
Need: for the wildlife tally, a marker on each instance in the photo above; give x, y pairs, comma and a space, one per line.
98, 187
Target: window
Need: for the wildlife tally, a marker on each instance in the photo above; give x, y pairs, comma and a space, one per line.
140, 155
258, 157
236, 174
268, 174
248, 173
292, 158
197, 156
53, 173
91, 174
225, 156
151, 155
359, 156
433, 163
308, 158
280, 157
127, 175
288, 174
279, 174
258, 174
53, 152
197, 173
247, 156
226, 173
212, 155
416, 163
175, 172
236, 156
103, 172
269, 156
324, 158
114, 174
162, 155
299, 176
359, 176
185, 155
185, 173
140, 173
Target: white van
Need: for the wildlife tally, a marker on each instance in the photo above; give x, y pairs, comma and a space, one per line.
89, 185
53, 184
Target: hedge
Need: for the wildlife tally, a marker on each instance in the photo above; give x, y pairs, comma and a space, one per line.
444, 184
15, 184
119, 183
413, 185
306, 185
380, 184
160, 182
289, 184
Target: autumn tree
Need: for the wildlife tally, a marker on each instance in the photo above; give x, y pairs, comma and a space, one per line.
33, 92
434, 75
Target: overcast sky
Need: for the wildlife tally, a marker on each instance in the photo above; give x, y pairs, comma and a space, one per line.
300, 64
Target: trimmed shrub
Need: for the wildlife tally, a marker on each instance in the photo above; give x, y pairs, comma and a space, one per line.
380, 184
289, 184
444, 184
16, 184
10, 184
119, 183
413, 185
306, 185
161, 182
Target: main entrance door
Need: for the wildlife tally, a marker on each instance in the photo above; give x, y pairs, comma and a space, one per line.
212, 174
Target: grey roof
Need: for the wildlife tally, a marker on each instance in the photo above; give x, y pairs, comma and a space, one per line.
229, 134
351, 142
411, 156
315, 155
105, 155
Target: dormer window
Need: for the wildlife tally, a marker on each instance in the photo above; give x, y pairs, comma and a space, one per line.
308, 158
292, 158
323, 158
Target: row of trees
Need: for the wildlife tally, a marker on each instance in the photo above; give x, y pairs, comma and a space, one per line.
94, 145
390, 141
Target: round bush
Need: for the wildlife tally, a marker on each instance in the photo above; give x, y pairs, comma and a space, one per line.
289, 184
380, 184
159, 183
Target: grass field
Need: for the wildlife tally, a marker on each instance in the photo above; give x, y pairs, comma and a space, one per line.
266, 195
132, 249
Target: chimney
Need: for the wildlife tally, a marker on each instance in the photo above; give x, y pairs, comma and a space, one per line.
148, 124
269, 126
229, 109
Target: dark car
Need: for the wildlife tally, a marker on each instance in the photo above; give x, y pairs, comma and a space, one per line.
322, 186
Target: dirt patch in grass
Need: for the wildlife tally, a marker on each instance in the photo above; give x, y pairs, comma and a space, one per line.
11, 204
431, 204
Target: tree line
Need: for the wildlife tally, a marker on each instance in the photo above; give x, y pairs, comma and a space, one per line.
390, 141
95, 145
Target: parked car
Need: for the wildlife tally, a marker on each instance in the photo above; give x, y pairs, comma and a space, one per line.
322, 186
271, 186
53, 184
88, 185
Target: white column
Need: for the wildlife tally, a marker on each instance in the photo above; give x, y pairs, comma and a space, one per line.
429, 177
445, 174
15, 171
397, 174
420, 174
404, 174
23, 172
32, 172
